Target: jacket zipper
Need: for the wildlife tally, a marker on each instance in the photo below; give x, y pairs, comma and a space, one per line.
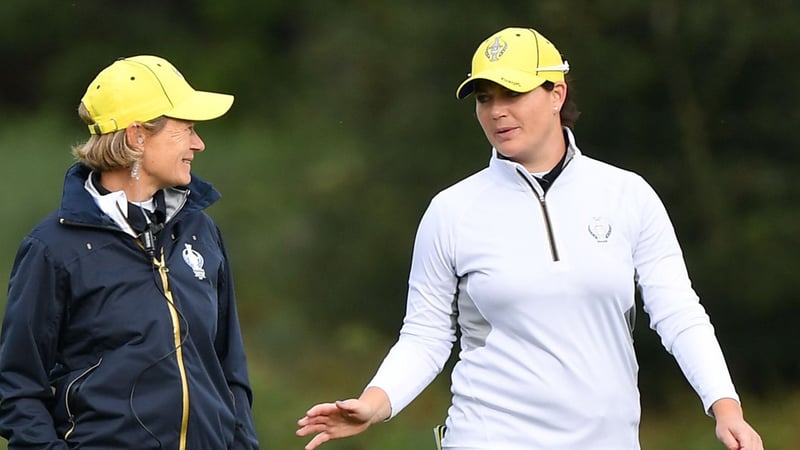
68, 391
176, 327
546, 215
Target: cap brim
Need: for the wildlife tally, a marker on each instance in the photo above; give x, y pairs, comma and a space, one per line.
513, 80
202, 105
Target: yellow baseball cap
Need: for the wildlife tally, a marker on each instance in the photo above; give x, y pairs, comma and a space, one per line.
519, 59
142, 88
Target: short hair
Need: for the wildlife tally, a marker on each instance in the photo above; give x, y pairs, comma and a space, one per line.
110, 151
569, 110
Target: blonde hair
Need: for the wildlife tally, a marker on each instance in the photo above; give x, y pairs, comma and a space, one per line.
110, 151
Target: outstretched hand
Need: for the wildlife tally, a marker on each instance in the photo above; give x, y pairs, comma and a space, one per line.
333, 421
343, 418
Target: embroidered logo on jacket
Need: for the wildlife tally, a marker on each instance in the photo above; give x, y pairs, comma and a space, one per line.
599, 229
195, 261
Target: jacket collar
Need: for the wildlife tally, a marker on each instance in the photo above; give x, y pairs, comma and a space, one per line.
82, 204
511, 173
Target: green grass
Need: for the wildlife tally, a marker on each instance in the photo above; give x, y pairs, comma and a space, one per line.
680, 425
281, 401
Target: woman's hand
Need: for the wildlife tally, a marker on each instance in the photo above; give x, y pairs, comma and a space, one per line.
732, 430
344, 418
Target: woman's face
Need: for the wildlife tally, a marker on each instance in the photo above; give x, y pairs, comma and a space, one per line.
524, 127
168, 154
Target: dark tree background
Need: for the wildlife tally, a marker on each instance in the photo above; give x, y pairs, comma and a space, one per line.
345, 125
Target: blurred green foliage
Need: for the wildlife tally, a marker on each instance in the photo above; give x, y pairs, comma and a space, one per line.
345, 125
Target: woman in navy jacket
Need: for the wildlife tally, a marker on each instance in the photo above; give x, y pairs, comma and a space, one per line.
121, 328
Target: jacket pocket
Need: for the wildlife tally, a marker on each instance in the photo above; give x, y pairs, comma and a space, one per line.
72, 394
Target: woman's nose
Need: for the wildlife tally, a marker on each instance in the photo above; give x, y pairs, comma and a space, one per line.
197, 143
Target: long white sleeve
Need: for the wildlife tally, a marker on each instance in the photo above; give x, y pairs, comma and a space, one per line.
674, 307
701, 360
428, 331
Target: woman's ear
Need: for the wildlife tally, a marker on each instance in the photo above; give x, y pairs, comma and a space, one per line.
134, 135
559, 94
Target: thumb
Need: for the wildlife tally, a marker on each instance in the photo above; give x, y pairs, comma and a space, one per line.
348, 406
354, 410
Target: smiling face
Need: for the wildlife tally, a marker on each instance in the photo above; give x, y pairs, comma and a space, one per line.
524, 127
168, 154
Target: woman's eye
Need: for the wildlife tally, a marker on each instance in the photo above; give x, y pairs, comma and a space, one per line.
482, 98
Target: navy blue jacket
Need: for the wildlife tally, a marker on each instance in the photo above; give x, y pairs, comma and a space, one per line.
105, 347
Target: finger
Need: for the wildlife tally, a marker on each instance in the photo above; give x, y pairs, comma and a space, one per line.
317, 441
311, 420
728, 440
311, 429
751, 442
303, 421
748, 439
322, 408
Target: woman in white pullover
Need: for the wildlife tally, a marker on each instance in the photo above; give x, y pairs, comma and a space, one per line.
535, 260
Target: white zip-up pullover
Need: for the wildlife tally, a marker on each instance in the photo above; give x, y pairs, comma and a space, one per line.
542, 289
